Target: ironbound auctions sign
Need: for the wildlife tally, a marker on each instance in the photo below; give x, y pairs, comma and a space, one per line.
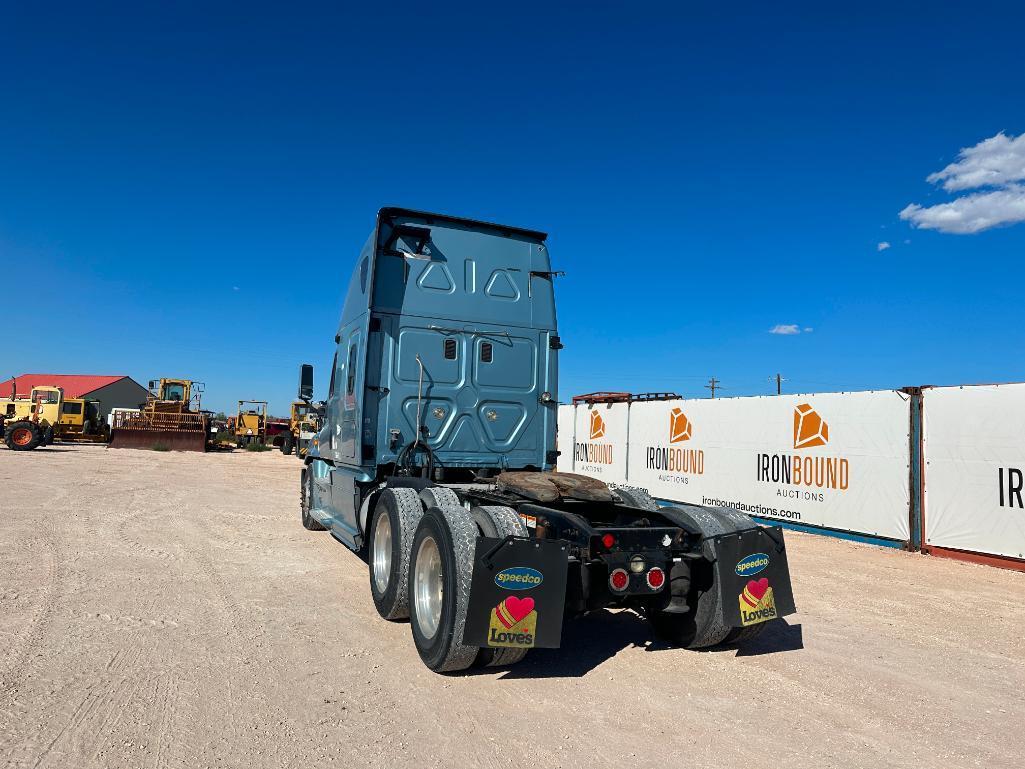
599, 442
974, 448
838, 460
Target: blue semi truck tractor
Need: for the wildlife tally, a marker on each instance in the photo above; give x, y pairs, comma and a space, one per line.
436, 462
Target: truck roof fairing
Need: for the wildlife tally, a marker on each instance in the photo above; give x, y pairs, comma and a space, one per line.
388, 213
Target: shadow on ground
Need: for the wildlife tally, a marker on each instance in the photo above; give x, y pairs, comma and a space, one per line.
591, 640
53, 449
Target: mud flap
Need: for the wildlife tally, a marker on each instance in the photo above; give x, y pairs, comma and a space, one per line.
517, 594
754, 576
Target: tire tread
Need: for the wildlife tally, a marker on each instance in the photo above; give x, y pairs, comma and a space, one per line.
409, 511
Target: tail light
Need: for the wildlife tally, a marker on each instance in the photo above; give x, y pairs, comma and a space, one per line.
619, 580
656, 578
607, 541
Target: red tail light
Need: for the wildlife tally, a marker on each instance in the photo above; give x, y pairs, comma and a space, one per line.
608, 541
656, 578
619, 580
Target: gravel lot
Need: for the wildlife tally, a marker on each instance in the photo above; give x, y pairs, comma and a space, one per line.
168, 610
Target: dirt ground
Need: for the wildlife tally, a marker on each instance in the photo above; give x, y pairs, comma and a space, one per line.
168, 610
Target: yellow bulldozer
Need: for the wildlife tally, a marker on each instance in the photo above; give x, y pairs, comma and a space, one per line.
28, 422
170, 419
251, 423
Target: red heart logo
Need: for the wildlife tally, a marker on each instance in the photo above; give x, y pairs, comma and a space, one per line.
518, 608
758, 587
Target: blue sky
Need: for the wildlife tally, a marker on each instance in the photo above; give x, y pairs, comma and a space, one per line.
184, 187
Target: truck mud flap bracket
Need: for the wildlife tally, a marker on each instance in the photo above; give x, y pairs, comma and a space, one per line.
517, 593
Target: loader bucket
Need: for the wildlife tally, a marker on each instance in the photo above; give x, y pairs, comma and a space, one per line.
168, 432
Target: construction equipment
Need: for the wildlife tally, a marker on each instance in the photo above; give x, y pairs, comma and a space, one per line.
170, 418
80, 422
302, 427
27, 422
251, 423
435, 458
304, 421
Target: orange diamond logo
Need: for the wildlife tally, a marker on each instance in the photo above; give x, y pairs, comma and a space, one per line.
679, 426
809, 428
597, 426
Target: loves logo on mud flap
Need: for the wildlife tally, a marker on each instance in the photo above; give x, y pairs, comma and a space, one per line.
513, 623
757, 603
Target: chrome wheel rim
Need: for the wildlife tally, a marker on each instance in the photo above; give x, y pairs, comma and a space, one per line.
382, 552
427, 587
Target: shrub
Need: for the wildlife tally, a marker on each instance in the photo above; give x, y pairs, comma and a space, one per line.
255, 446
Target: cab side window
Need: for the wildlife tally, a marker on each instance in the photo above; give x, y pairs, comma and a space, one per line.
350, 382
334, 366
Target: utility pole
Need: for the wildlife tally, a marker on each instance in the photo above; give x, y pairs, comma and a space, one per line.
713, 385
779, 384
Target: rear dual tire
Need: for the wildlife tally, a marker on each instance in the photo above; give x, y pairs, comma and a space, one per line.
441, 570
421, 567
396, 516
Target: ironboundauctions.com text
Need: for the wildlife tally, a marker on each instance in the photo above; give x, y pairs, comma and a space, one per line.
744, 507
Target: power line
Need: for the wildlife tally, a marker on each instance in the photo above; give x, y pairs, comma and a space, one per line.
713, 385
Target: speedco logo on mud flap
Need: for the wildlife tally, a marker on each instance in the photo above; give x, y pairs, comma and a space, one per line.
519, 578
513, 623
805, 470
675, 463
756, 602
752, 564
594, 453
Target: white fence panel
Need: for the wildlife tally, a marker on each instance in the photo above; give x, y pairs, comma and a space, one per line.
974, 451
838, 460
565, 438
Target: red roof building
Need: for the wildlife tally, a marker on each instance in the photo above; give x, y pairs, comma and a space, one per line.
115, 391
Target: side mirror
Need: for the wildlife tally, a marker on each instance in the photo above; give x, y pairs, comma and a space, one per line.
152, 384
305, 382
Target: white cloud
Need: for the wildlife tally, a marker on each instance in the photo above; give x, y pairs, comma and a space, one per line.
882, 246
993, 162
995, 168
973, 213
785, 328
808, 329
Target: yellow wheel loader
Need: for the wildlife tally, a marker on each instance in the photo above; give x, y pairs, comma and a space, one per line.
170, 419
28, 422
251, 423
